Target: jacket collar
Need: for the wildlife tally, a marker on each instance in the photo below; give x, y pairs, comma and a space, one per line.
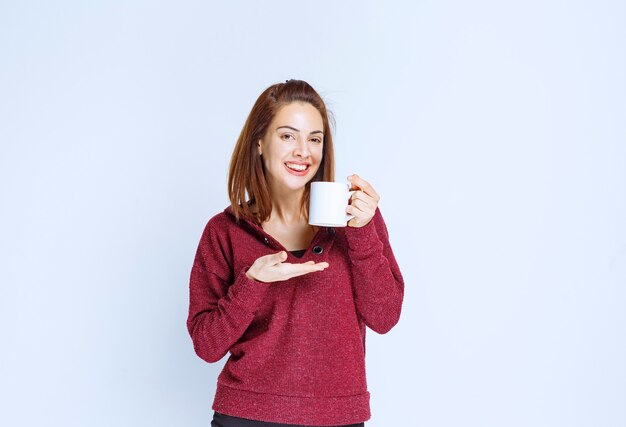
326, 234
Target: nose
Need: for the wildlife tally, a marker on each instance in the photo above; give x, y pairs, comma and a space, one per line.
302, 149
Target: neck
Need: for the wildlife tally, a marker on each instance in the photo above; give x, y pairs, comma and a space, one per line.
286, 206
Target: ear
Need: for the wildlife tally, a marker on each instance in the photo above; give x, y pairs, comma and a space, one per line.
259, 147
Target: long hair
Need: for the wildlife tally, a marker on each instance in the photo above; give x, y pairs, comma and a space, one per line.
246, 172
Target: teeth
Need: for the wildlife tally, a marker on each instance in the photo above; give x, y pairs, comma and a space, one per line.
296, 167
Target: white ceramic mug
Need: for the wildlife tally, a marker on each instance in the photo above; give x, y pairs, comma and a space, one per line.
328, 204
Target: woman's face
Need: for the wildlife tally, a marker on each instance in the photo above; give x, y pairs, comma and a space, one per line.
293, 141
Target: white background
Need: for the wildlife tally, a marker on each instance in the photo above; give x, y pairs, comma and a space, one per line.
494, 132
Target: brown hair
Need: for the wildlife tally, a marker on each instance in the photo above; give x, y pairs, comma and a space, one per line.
246, 167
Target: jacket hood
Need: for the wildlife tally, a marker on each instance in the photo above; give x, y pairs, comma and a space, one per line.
244, 221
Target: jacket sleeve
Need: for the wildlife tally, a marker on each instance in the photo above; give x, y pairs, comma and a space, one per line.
377, 281
222, 303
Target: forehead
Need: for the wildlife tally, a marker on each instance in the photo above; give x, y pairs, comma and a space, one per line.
300, 115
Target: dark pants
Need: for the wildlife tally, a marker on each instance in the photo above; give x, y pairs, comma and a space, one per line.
222, 420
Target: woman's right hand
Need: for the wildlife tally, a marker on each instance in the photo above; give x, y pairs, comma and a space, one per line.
271, 268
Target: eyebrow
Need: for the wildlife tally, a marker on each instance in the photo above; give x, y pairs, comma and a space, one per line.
294, 129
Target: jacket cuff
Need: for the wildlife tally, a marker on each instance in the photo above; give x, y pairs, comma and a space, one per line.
247, 293
360, 238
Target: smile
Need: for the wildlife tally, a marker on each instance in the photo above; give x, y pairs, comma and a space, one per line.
297, 169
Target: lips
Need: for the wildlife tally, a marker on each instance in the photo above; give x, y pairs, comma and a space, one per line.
296, 171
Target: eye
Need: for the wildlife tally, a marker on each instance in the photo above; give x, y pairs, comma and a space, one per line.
286, 134
317, 140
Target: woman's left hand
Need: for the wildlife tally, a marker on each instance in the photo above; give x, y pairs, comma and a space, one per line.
363, 202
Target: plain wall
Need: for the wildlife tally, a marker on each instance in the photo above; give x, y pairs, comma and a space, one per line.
494, 132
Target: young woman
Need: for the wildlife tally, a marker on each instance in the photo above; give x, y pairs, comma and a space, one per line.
288, 300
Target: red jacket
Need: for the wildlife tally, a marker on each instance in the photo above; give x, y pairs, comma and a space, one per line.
297, 346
